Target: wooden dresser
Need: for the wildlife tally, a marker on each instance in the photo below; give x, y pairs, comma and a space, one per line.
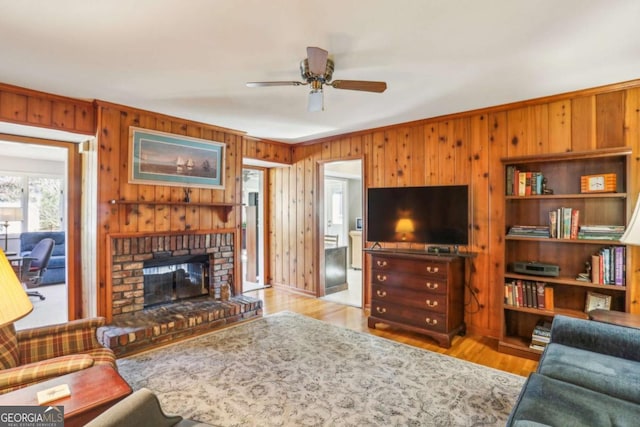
420, 292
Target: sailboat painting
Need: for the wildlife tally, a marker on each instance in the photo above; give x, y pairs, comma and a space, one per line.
167, 159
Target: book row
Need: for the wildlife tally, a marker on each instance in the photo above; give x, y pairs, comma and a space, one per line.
609, 266
528, 293
524, 183
541, 335
564, 223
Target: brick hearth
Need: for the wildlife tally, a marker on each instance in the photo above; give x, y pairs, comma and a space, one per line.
143, 329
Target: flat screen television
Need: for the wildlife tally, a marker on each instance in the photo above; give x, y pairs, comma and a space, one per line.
437, 215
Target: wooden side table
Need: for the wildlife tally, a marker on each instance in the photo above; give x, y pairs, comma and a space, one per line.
615, 317
93, 391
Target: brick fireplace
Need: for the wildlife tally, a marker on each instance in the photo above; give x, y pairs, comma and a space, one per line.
131, 254
135, 326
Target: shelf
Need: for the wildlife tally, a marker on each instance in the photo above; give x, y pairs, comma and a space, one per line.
550, 313
569, 156
564, 281
222, 209
570, 196
563, 174
603, 242
518, 346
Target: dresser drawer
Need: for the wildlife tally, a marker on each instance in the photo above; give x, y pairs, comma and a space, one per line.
405, 280
427, 267
425, 319
436, 302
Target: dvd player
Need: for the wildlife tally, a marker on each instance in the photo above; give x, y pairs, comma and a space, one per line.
536, 268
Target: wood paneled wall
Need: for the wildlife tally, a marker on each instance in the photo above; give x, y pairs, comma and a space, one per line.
113, 159
464, 148
31, 108
270, 151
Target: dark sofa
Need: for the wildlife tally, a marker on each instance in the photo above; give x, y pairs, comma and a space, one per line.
589, 375
56, 270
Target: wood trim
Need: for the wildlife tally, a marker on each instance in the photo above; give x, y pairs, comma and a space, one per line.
488, 110
32, 108
73, 219
160, 116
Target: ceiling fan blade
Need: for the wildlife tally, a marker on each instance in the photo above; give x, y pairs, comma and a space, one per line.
317, 60
366, 86
282, 83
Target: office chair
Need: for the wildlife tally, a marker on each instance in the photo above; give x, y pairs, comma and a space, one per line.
36, 264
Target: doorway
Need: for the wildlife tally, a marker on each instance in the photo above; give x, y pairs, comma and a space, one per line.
253, 249
34, 181
343, 207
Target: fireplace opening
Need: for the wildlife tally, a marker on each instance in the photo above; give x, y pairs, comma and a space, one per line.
175, 278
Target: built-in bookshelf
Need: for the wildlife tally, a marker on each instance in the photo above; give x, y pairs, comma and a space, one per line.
551, 218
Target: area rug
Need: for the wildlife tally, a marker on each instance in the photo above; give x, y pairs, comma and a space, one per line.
290, 370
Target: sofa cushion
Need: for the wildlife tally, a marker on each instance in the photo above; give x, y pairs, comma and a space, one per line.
610, 375
544, 400
9, 351
56, 262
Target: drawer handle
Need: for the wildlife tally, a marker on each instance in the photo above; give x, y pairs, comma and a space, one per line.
433, 269
381, 277
431, 322
381, 263
431, 303
381, 293
432, 285
381, 310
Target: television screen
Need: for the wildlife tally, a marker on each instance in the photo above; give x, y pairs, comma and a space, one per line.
436, 215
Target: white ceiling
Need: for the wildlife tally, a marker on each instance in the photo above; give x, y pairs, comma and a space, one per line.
191, 59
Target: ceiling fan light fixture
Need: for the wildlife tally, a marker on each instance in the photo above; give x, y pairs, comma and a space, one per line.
316, 101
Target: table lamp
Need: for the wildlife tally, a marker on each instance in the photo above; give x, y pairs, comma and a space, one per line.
631, 235
9, 214
14, 302
405, 226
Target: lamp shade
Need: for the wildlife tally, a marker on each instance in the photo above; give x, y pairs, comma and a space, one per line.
404, 225
14, 302
10, 214
632, 234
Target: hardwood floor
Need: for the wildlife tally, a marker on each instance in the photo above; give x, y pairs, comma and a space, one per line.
471, 348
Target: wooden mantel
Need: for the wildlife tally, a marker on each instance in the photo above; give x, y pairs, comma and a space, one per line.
222, 209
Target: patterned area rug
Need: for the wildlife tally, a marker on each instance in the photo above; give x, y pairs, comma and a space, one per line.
290, 370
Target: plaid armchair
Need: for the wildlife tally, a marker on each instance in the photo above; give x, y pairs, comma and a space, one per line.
34, 355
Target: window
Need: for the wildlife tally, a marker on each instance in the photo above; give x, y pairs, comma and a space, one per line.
40, 198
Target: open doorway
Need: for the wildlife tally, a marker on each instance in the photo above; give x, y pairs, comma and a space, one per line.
34, 185
343, 207
253, 250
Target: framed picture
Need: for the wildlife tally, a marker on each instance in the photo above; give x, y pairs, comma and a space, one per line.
595, 300
166, 159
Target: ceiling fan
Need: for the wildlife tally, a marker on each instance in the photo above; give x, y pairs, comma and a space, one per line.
317, 71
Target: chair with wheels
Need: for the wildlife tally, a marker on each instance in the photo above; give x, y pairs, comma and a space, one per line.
36, 265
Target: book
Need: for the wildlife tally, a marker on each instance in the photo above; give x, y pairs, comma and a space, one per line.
548, 298
620, 265
575, 217
536, 347
595, 269
553, 224
522, 183
53, 393
540, 289
509, 185
566, 223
